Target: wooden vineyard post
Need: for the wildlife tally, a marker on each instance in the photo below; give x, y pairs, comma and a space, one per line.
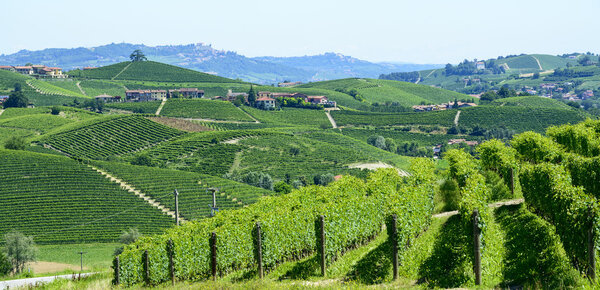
394, 240
146, 267
170, 252
117, 268
591, 247
477, 248
213, 255
176, 193
512, 182
322, 244
259, 251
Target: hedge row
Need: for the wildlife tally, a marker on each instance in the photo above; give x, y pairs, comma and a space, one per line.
548, 190
495, 156
353, 214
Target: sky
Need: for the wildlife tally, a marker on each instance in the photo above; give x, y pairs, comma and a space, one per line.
420, 31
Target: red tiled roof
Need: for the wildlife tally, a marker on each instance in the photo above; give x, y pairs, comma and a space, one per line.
264, 99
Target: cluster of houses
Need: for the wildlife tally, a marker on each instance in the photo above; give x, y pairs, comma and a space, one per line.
152, 95
442, 107
549, 90
288, 84
35, 70
267, 100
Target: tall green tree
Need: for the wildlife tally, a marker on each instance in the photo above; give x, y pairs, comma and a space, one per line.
20, 250
16, 100
251, 96
137, 55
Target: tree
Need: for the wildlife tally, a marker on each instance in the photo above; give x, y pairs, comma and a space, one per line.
16, 100
324, 179
137, 55
20, 249
18, 87
536, 75
282, 187
55, 111
5, 266
129, 236
15, 143
251, 96
143, 159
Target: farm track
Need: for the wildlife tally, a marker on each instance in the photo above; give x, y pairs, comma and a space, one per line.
236, 162
491, 205
162, 104
331, 120
138, 193
1, 111
124, 69
456, 118
251, 117
431, 72
538, 62
80, 89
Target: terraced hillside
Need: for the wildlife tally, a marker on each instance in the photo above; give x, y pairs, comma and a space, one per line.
58, 200
109, 136
382, 91
40, 93
194, 198
203, 109
531, 102
148, 71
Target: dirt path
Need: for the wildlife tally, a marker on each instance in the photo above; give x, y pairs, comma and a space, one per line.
456, 118
162, 104
331, 120
29, 282
538, 62
42, 267
248, 114
124, 69
491, 205
138, 193
419, 79
1, 111
431, 72
80, 89
236, 162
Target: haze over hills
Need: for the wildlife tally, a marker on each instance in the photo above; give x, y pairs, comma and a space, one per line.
228, 64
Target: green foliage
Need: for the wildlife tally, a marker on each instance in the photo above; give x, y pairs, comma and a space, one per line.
534, 253
110, 136
441, 118
282, 187
287, 222
495, 156
129, 236
582, 139
16, 100
548, 190
450, 194
137, 55
143, 160
20, 249
5, 265
291, 116
205, 109
15, 143
530, 102
136, 107
63, 201
533, 147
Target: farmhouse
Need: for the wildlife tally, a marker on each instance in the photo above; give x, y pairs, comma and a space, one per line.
38, 70
265, 103
187, 93
24, 70
7, 67
107, 98
3, 99
144, 95
231, 94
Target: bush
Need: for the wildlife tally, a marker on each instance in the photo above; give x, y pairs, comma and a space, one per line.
450, 194
5, 266
282, 187
55, 111
15, 143
144, 160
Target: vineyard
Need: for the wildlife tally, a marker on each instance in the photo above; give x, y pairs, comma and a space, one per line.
136, 107
109, 136
441, 118
194, 198
531, 102
291, 116
203, 109
62, 201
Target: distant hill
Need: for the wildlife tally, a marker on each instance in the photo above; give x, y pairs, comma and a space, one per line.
148, 71
385, 91
201, 57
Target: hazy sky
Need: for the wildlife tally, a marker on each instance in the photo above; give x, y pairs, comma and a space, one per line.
420, 31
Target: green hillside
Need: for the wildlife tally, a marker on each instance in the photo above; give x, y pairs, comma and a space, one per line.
194, 198
109, 136
58, 200
203, 109
148, 71
382, 91
531, 102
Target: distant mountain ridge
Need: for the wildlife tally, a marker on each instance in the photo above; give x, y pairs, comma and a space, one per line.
204, 58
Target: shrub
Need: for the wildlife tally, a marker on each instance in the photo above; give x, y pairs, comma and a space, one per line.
282, 187
5, 266
15, 143
55, 111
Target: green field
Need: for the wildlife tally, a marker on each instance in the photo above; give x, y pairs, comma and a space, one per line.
203, 109
62, 201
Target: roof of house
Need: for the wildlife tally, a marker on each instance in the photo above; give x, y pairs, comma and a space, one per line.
316, 97
264, 99
103, 96
5, 66
23, 67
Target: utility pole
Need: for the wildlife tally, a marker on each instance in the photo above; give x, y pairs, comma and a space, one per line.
176, 207
214, 209
81, 253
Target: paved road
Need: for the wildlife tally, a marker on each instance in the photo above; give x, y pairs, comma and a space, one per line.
9, 284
